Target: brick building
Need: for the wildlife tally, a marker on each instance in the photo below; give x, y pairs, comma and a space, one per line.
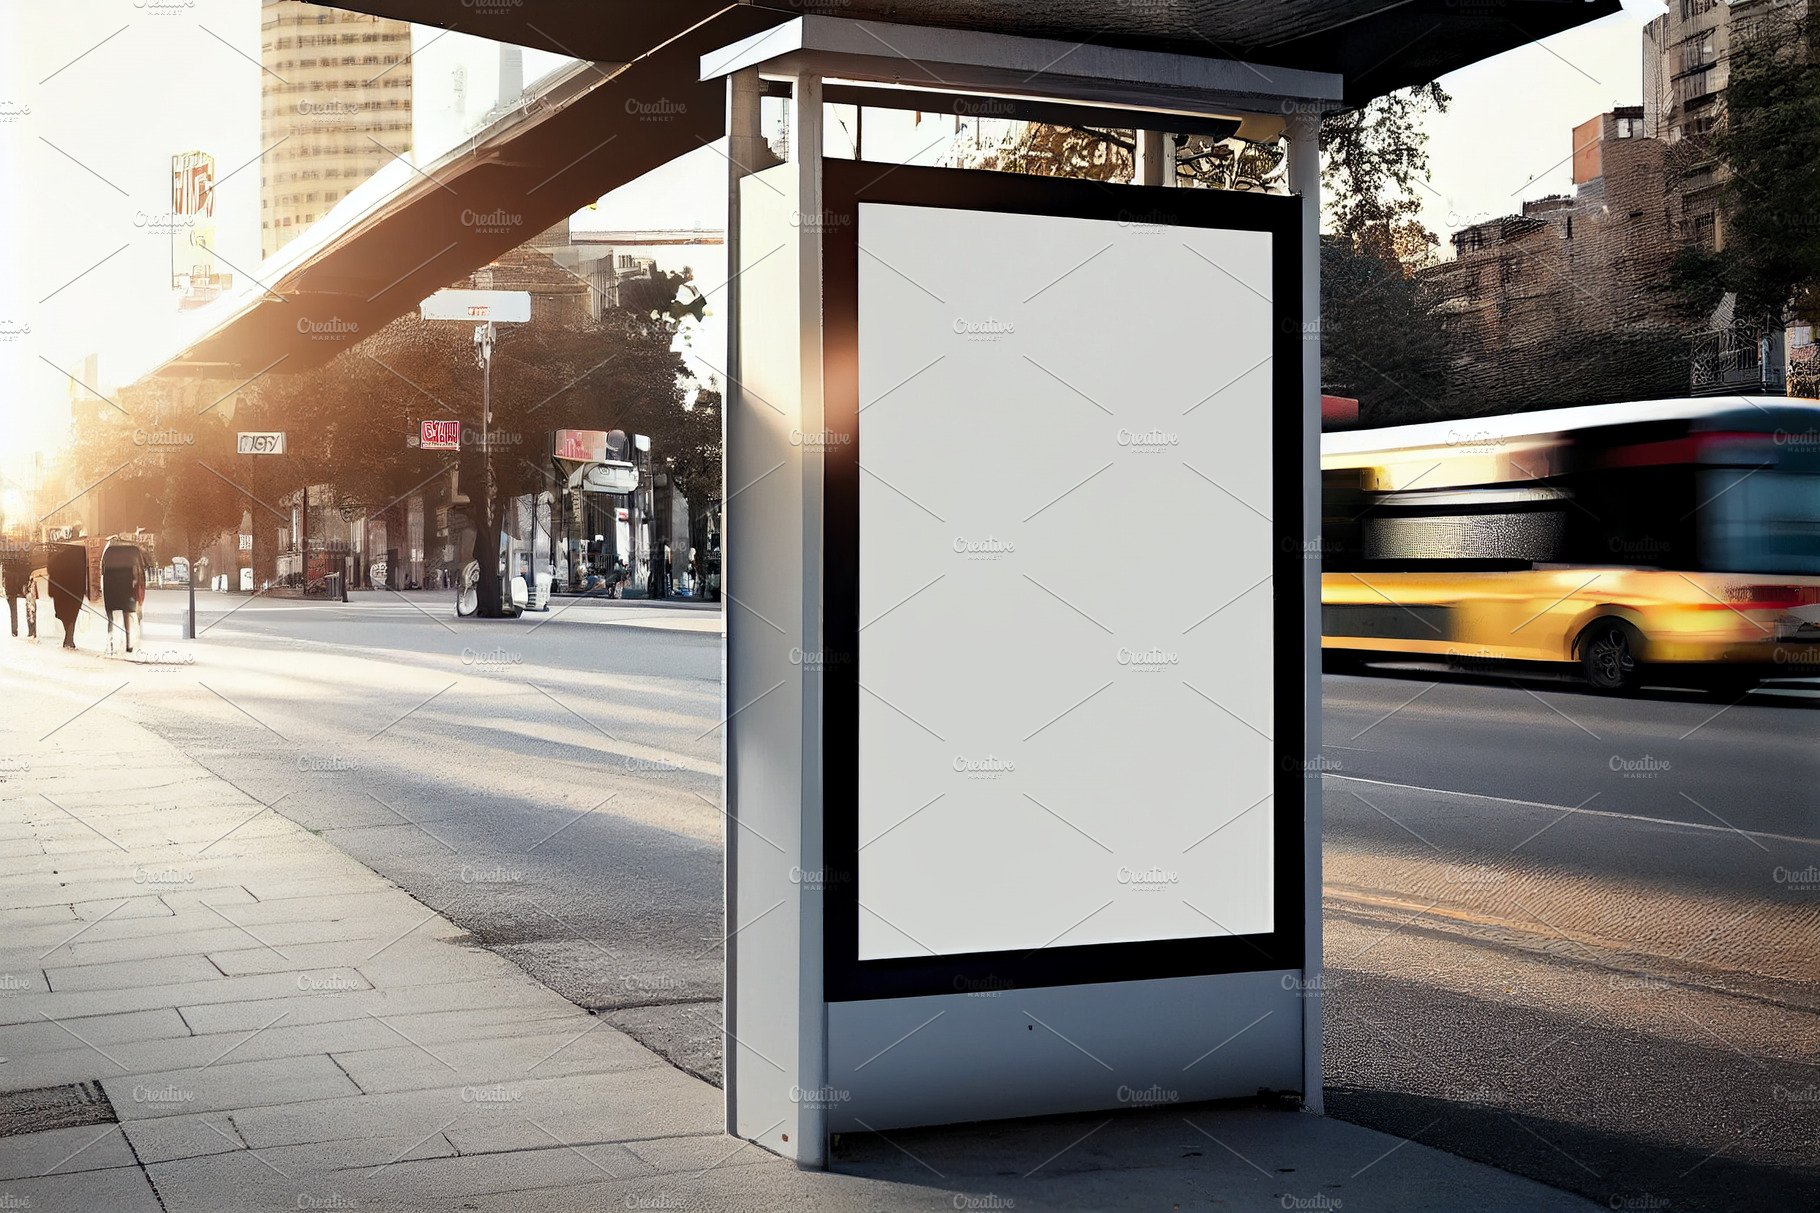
1568, 300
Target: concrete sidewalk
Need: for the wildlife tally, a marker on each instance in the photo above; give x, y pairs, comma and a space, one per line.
204, 1006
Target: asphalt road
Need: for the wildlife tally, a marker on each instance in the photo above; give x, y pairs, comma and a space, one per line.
1574, 937
1579, 937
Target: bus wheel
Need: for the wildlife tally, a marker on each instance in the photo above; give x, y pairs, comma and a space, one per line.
1609, 655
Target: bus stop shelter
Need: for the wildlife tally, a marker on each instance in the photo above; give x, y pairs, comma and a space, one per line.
1007, 833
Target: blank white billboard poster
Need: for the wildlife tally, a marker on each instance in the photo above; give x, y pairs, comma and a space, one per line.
1066, 653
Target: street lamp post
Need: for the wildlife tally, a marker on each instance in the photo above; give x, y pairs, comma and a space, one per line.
483, 354
487, 307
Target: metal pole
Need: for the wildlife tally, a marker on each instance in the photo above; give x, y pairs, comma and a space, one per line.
746, 153
486, 413
1305, 182
484, 336
1150, 159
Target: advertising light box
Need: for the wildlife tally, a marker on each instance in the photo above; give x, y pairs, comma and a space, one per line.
1070, 501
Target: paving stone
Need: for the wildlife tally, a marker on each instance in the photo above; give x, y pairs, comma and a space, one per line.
240, 960
161, 1138
193, 936
556, 1165
64, 1151
130, 974
624, 1107
19, 1040
275, 1037
20, 979
227, 1085
182, 900
324, 1000
117, 1190
28, 1008
701, 1152
601, 1050
140, 906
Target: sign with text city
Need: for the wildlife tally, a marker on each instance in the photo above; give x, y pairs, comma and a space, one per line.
440, 436
260, 443
498, 306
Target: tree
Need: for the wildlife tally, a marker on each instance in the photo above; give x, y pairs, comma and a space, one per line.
1374, 159
1102, 154
169, 467
359, 415
1769, 141
1380, 339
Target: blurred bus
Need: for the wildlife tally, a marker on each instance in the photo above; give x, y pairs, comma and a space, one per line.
1673, 539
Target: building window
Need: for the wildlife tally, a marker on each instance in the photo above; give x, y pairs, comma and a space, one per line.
1699, 230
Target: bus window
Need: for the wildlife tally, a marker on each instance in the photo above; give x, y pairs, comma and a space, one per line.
1761, 521
1344, 502
1502, 526
1634, 518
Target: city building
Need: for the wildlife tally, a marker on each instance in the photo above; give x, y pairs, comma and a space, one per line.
1686, 66
334, 107
1686, 69
1573, 290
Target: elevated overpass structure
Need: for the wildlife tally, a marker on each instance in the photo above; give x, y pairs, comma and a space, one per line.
638, 99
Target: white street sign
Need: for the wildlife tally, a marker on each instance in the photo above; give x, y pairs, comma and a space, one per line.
497, 306
609, 478
260, 443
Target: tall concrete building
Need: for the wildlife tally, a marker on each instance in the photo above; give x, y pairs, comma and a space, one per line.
335, 105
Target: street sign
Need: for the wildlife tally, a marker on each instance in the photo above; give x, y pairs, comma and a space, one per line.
260, 443
609, 478
498, 306
441, 436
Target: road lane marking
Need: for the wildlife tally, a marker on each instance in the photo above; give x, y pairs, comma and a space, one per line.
1567, 808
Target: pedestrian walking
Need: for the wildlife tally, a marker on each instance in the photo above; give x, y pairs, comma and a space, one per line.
68, 573
123, 588
16, 574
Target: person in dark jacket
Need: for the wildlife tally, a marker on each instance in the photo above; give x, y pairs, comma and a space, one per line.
123, 588
16, 572
68, 574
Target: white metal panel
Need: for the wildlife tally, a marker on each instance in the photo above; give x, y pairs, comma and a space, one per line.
771, 912
991, 1054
